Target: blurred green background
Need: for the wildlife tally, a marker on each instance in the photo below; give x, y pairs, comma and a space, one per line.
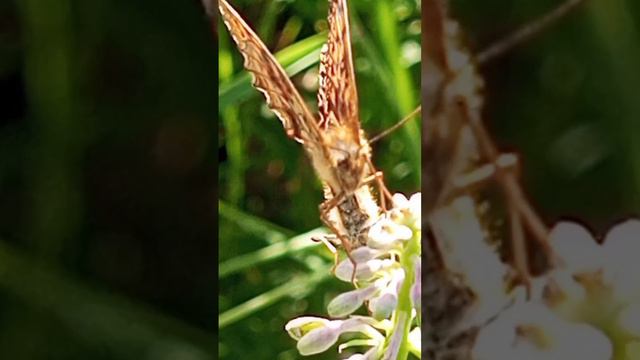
269, 193
107, 180
567, 103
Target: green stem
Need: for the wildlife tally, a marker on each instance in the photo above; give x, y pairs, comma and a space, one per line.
402, 318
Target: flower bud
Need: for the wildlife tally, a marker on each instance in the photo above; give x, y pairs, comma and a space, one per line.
346, 303
302, 325
382, 306
385, 233
320, 339
366, 266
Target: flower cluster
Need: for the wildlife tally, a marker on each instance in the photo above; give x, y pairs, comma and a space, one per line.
588, 307
387, 272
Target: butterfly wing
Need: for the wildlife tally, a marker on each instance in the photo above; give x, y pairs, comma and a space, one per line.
270, 78
338, 96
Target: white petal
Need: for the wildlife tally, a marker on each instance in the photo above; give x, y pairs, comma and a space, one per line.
576, 247
400, 201
346, 303
299, 326
622, 246
318, 340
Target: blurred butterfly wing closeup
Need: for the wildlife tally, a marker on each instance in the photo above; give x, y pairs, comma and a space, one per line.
270, 78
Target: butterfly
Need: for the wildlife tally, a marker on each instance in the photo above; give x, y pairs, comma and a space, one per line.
333, 140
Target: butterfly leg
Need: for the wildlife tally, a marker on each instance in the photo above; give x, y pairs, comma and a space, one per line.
487, 172
325, 209
519, 251
522, 213
513, 190
326, 240
378, 177
507, 163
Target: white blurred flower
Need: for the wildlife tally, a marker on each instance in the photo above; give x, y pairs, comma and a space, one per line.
576, 247
407, 212
400, 201
621, 249
530, 331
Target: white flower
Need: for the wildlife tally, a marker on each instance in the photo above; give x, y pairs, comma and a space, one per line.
319, 340
382, 306
346, 303
400, 201
386, 233
576, 247
415, 207
531, 331
367, 265
324, 334
381, 267
415, 338
302, 325
621, 248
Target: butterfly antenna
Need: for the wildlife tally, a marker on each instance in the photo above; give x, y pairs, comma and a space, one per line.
527, 31
396, 125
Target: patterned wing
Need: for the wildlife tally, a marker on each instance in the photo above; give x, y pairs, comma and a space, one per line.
338, 96
270, 78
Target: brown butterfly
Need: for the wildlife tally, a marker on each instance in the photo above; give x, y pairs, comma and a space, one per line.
334, 141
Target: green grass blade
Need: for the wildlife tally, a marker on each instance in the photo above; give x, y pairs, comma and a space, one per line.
298, 286
234, 142
402, 85
253, 225
272, 252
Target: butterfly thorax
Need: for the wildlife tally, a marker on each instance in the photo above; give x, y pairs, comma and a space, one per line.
346, 156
